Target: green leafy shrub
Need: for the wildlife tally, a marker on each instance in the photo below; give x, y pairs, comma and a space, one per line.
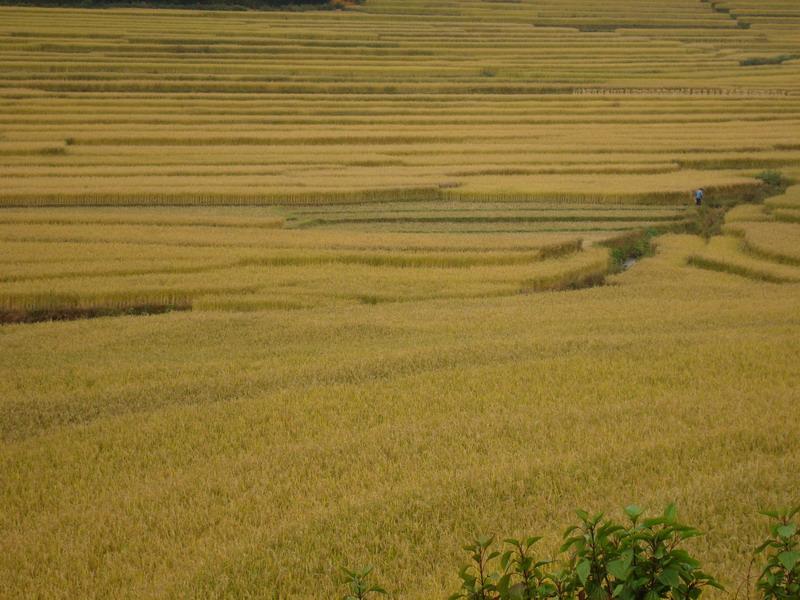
773, 178
604, 560
780, 578
632, 246
640, 560
601, 559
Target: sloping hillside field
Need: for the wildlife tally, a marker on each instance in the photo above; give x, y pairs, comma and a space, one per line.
286, 291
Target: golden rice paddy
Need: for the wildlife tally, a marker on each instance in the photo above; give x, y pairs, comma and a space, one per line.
353, 293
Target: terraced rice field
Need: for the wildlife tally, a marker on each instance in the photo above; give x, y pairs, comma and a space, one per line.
357, 295
461, 100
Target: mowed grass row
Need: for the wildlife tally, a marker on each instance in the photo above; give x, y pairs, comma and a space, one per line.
370, 105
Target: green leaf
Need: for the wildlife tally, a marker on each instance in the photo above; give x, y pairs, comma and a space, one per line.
654, 521
787, 531
376, 589
517, 592
582, 570
765, 545
670, 577
689, 533
633, 511
598, 593
789, 559
671, 513
619, 568
502, 585
532, 540
579, 541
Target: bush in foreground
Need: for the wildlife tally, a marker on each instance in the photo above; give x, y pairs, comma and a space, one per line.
601, 559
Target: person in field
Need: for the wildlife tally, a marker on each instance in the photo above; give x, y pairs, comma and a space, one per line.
698, 196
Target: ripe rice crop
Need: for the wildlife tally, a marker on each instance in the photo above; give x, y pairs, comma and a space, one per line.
726, 254
747, 213
201, 399
340, 289
787, 214
410, 97
242, 264
774, 241
790, 199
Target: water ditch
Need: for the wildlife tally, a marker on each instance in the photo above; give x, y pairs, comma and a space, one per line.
13, 317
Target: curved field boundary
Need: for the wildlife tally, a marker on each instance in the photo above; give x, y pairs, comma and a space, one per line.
721, 266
